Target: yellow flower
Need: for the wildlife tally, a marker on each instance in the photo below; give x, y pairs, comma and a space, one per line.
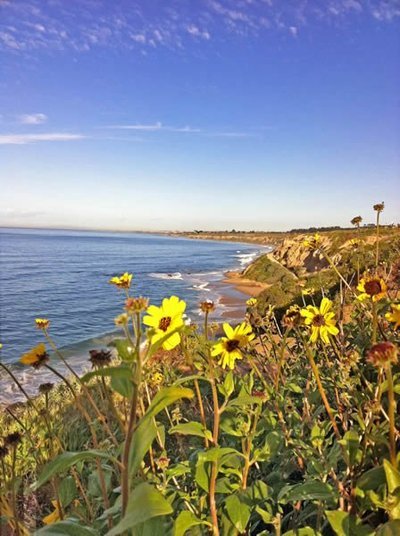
122, 281
42, 323
54, 516
36, 357
251, 302
321, 320
312, 242
307, 291
166, 319
394, 316
230, 347
371, 287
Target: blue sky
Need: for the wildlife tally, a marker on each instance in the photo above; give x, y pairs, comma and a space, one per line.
212, 114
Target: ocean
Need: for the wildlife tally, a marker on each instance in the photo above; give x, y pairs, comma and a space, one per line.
63, 276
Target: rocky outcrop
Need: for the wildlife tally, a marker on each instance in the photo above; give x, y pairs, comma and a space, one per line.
292, 254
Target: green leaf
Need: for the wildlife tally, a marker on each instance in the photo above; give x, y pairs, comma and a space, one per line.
184, 521
294, 388
229, 384
146, 431
266, 516
203, 468
392, 528
94, 484
191, 428
305, 531
244, 400
64, 461
372, 479
145, 502
310, 491
392, 476
351, 443
142, 440
124, 349
166, 397
238, 512
270, 448
190, 378
344, 524
112, 372
68, 527
67, 491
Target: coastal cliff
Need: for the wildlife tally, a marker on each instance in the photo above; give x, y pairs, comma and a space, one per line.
282, 276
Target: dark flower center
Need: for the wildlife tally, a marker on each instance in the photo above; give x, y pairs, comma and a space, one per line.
373, 287
232, 344
318, 321
165, 322
41, 359
100, 358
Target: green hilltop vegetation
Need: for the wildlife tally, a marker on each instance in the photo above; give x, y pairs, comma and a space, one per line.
291, 269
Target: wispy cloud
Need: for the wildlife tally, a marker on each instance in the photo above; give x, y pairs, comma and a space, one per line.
155, 127
32, 119
159, 127
23, 139
29, 25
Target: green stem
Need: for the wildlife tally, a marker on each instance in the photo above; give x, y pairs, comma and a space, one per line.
131, 422
94, 439
84, 388
13, 492
374, 322
377, 240
322, 392
214, 467
391, 412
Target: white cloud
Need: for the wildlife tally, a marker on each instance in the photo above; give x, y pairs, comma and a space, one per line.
27, 25
155, 127
23, 139
194, 30
32, 119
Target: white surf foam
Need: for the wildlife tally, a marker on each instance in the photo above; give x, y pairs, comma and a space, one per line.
173, 275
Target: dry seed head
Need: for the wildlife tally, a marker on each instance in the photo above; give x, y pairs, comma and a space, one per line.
356, 221
207, 306
379, 207
382, 354
121, 320
292, 317
13, 439
45, 388
100, 358
136, 305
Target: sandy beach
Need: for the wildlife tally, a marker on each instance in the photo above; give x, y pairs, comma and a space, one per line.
246, 286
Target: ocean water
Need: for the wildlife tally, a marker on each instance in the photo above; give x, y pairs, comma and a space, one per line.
63, 276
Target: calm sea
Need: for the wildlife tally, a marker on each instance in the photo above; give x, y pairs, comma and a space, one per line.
63, 276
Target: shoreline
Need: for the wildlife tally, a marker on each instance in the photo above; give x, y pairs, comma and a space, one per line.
231, 296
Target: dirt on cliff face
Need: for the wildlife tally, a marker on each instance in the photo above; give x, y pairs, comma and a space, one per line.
293, 255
